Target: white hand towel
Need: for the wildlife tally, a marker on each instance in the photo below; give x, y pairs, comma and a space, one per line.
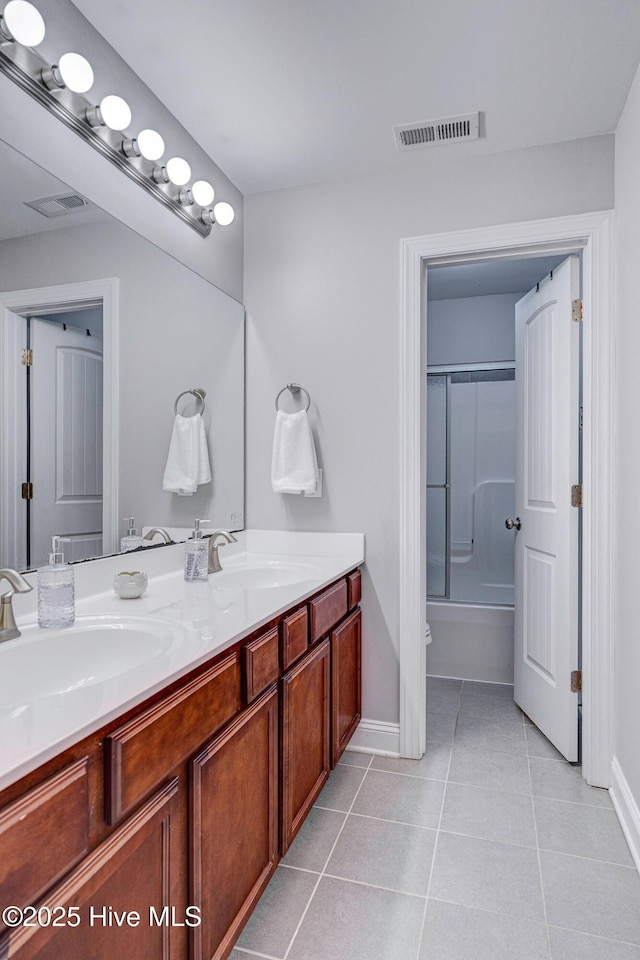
294, 467
188, 459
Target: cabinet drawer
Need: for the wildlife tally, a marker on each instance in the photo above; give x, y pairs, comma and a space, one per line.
43, 835
142, 753
261, 663
295, 636
327, 609
354, 588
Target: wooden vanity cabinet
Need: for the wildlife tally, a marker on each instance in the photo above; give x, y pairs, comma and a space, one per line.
234, 825
188, 799
346, 685
131, 872
304, 763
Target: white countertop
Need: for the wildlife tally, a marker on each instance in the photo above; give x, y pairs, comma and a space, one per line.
204, 620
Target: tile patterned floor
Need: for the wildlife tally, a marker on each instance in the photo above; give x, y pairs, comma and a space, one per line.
489, 848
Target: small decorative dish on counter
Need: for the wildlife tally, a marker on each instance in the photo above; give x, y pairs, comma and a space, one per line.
130, 585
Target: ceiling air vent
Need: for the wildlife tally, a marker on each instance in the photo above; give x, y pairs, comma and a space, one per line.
59, 205
410, 136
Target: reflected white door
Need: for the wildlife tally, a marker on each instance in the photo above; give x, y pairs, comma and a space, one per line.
66, 440
546, 566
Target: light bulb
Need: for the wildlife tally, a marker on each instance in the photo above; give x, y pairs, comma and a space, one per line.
151, 144
224, 213
76, 72
203, 193
115, 112
178, 171
24, 23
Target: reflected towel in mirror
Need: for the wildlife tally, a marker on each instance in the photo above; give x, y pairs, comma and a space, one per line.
294, 466
188, 460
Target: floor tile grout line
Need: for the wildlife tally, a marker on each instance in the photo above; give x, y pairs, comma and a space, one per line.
542, 893
254, 953
369, 816
317, 883
596, 936
493, 913
374, 886
435, 851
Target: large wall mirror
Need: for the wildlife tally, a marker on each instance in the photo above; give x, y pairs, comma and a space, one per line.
100, 333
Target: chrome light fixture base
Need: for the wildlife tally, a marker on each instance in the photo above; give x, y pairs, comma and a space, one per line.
25, 67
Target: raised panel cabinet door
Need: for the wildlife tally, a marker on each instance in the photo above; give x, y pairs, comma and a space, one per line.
34, 856
305, 739
346, 687
102, 910
234, 825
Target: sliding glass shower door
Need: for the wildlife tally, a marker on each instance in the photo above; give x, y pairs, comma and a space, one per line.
471, 437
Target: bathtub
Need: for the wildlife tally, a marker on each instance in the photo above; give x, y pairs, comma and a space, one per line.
470, 641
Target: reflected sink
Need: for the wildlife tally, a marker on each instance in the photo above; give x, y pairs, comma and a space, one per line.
44, 663
261, 575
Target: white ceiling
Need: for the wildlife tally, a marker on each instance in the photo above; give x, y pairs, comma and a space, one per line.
285, 92
489, 277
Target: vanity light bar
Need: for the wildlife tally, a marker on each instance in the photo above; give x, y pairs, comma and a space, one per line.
60, 88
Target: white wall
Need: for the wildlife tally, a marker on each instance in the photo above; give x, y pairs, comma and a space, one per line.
471, 329
37, 134
627, 456
322, 290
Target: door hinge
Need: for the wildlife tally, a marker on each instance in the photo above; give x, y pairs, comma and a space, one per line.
576, 310
576, 495
27, 491
27, 358
576, 681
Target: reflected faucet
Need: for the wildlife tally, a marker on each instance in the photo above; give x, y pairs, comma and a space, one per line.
8, 628
214, 559
163, 533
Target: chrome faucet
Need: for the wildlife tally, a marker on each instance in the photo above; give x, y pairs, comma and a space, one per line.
8, 628
163, 533
214, 559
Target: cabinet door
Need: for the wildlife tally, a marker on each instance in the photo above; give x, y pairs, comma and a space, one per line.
346, 697
234, 825
305, 739
112, 893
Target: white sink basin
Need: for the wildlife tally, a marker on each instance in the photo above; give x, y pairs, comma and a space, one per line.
261, 575
50, 663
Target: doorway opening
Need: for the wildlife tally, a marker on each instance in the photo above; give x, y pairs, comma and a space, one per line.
476, 431
592, 234
59, 416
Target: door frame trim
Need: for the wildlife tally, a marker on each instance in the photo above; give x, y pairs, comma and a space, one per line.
592, 233
39, 300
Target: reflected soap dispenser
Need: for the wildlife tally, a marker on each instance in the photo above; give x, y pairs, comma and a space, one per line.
56, 593
196, 555
132, 540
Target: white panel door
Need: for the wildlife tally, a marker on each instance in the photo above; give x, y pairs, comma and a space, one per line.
546, 563
66, 440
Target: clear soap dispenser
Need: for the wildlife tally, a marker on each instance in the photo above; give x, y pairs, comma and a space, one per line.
56, 595
196, 555
132, 540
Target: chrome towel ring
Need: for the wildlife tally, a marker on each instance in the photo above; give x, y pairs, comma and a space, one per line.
294, 388
198, 392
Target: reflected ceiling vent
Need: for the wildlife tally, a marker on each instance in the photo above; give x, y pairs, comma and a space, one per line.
411, 136
59, 205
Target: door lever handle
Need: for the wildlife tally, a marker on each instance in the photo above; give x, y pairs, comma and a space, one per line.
513, 524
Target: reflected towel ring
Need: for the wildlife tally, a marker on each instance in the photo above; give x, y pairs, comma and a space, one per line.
198, 392
294, 388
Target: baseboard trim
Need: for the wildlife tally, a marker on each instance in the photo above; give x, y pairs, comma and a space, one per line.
627, 809
377, 737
